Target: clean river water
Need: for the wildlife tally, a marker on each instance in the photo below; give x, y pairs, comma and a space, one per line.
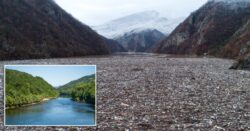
59, 111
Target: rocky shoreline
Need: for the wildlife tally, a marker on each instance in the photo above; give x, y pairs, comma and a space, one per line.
242, 63
160, 92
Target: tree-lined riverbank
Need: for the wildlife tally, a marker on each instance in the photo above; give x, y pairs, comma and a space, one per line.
80, 90
24, 89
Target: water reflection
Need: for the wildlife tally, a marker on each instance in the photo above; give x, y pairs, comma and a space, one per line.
60, 111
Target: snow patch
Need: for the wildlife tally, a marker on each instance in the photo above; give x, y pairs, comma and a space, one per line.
138, 22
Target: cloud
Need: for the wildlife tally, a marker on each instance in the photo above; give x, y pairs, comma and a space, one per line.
96, 12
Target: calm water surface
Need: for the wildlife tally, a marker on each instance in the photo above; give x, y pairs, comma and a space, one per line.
59, 111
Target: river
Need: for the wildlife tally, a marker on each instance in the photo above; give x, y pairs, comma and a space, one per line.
59, 111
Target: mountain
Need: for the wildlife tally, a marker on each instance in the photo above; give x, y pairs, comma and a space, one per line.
71, 84
114, 46
82, 89
22, 88
137, 22
41, 29
240, 44
228, 1
219, 28
138, 32
142, 41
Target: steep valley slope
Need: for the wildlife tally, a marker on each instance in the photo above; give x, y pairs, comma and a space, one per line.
32, 29
219, 28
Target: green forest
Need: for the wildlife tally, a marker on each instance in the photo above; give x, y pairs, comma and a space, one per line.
81, 90
22, 88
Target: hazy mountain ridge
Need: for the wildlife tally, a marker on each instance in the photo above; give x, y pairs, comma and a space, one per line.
114, 46
140, 31
139, 22
143, 41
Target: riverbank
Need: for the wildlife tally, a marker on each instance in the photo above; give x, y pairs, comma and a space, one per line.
30, 104
64, 96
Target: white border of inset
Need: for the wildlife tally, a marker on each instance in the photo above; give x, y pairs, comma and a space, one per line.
54, 125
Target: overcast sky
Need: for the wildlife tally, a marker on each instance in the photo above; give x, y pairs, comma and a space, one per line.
97, 12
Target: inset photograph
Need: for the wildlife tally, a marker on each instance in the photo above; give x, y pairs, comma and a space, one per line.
50, 95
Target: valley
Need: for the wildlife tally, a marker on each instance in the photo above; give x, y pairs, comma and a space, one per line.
30, 98
160, 92
157, 69
138, 32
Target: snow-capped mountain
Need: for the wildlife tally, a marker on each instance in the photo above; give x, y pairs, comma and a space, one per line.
138, 22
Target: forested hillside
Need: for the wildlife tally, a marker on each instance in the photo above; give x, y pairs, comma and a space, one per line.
42, 29
22, 88
219, 28
81, 90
